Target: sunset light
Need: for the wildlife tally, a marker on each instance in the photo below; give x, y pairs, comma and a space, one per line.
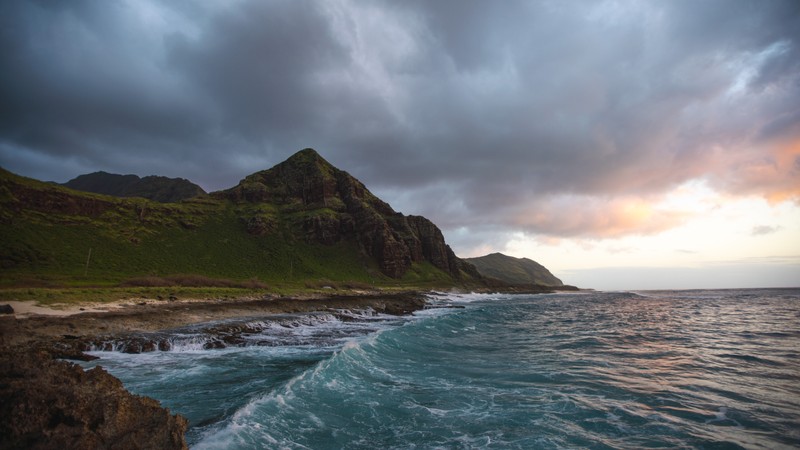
400, 224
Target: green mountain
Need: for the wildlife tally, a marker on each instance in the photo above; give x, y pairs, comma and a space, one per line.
514, 271
160, 189
301, 220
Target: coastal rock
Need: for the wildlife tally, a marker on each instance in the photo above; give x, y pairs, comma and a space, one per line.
239, 333
55, 404
6, 309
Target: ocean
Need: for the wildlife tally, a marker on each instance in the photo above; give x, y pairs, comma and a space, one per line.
705, 369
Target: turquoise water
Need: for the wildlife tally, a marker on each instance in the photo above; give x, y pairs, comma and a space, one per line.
667, 369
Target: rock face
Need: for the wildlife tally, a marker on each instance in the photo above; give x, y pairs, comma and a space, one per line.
514, 271
329, 205
160, 189
55, 404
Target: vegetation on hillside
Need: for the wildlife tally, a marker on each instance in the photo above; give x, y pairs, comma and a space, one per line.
514, 271
54, 236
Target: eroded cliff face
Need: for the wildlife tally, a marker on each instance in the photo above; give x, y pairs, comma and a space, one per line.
329, 205
55, 404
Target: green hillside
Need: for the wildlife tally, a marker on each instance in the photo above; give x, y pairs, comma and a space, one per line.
52, 235
514, 271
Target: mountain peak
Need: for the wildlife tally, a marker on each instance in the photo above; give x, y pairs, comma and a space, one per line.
305, 178
330, 206
306, 153
307, 161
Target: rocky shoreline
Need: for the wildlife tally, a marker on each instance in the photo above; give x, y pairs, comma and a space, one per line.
48, 403
51, 403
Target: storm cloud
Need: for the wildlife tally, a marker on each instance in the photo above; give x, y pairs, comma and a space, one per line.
550, 118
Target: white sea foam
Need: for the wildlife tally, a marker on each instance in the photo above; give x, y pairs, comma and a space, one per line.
188, 343
454, 297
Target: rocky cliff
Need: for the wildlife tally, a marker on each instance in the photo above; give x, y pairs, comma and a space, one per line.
330, 206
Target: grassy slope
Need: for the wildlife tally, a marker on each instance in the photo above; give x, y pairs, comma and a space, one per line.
49, 245
516, 271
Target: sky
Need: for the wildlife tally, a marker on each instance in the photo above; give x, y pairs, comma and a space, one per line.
622, 144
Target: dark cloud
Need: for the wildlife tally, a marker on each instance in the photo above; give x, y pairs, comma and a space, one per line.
475, 114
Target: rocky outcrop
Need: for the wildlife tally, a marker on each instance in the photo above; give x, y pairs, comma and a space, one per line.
241, 332
432, 245
45, 404
157, 188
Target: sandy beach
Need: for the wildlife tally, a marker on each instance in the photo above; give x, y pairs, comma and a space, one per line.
27, 309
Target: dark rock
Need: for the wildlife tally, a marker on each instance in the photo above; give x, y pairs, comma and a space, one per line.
260, 225
433, 246
213, 344
55, 404
132, 346
6, 309
149, 346
73, 352
322, 228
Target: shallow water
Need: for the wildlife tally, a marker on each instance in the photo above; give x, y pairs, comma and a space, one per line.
666, 369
